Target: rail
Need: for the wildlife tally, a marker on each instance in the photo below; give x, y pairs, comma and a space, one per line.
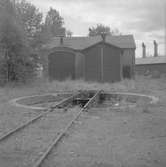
90, 103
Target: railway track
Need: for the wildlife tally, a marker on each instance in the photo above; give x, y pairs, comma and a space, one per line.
50, 109
31, 143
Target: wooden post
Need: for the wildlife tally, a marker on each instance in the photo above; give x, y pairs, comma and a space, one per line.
121, 65
7, 59
84, 68
102, 74
133, 65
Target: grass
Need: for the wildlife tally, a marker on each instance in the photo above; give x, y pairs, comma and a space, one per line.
140, 85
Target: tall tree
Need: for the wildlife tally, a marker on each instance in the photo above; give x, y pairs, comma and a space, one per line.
100, 28
17, 63
31, 19
53, 25
54, 21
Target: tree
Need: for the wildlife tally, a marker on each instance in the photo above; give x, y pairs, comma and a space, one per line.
31, 19
54, 21
100, 28
17, 63
53, 25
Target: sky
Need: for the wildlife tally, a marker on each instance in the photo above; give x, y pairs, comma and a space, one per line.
145, 19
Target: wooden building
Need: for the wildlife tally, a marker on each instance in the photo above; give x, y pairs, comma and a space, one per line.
148, 65
100, 58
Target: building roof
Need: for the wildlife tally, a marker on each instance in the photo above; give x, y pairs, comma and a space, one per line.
80, 43
151, 60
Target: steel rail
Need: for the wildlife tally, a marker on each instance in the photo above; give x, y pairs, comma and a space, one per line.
50, 109
62, 133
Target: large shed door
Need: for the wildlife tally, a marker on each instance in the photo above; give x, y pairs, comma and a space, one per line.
111, 64
93, 63
62, 65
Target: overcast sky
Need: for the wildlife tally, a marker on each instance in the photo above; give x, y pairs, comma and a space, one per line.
142, 18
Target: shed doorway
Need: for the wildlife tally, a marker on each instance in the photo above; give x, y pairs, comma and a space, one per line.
61, 65
126, 72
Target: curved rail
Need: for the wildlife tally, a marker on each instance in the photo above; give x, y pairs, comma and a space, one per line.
50, 109
60, 136
153, 99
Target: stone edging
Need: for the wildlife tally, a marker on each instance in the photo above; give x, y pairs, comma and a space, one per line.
154, 99
14, 102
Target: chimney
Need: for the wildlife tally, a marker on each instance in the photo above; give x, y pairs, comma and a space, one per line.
143, 50
155, 48
103, 35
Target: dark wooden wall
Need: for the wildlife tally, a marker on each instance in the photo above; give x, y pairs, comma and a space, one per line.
79, 65
101, 62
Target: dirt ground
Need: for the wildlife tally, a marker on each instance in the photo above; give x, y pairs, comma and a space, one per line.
103, 137
116, 138
107, 138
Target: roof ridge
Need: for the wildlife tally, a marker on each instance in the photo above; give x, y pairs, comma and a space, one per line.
82, 42
109, 35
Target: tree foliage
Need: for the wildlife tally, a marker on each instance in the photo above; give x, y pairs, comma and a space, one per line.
51, 27
100, 28
39, 30
31, 19
53, 19
16, 60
